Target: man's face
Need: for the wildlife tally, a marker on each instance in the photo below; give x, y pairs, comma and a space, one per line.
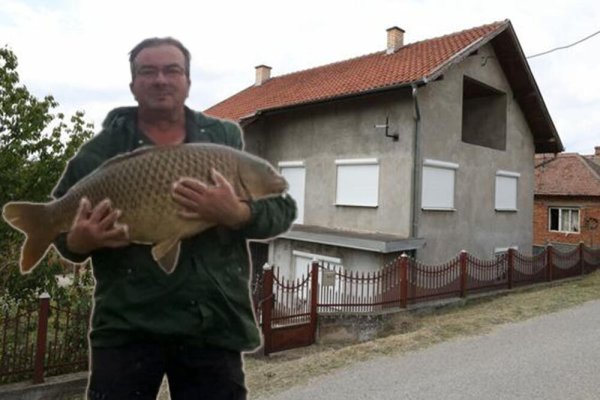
160, 82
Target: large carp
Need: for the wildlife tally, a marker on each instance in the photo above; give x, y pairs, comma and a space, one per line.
140, 184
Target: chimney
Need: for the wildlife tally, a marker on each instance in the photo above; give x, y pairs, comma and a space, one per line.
263, 73
597, 149
395, 39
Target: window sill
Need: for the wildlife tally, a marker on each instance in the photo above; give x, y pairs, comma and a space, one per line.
513, 210
438, 209
355, 205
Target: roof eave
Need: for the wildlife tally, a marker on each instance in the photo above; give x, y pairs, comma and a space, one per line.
546, 140
250, 118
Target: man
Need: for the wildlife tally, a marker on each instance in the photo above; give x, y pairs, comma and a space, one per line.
194, 324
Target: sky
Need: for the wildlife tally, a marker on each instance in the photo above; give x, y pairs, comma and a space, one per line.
77, 50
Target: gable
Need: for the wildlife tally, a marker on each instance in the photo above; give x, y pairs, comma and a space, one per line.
414, 64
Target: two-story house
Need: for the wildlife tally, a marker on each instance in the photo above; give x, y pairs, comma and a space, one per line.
425, 148
567, 200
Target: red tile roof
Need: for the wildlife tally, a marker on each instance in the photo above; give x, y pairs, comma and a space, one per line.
567, 174
411, 63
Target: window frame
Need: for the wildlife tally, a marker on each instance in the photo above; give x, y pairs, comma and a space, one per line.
357, 162
561, 209
442, 165
300, 201
506, 174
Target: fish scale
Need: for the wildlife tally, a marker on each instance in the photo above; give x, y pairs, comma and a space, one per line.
140, 185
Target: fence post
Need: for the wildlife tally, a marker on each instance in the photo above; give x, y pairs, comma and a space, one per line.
511, 267
267, 307
403, 280
581, 260
549, 261
463, 273
314, 298
42, 333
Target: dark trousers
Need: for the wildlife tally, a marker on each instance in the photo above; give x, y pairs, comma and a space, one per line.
136, 372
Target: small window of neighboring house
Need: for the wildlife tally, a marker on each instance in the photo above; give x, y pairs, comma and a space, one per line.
295, 174
357, 182
563, 219
506, 190
439, 178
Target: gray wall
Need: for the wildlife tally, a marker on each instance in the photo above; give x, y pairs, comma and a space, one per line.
318, 135
475, 226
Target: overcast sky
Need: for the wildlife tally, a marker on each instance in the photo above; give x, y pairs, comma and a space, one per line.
78, 50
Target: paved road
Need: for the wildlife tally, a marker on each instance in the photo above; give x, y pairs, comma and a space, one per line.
555, 356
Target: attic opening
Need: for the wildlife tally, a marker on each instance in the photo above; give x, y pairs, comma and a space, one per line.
483, 115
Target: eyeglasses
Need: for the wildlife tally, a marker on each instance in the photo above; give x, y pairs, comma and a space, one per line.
169, 72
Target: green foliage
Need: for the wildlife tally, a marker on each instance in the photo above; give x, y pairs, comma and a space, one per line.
35, 145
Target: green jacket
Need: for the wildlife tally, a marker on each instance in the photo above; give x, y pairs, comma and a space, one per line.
206, 300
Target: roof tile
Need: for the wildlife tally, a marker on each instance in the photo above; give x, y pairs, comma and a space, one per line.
408, 64
567, 174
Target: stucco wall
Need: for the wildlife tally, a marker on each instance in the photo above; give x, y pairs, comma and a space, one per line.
475, 225
345, 130
318, 135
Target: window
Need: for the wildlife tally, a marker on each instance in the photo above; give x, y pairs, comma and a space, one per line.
295, 174
563, 219
499, 251
357, 182
302, 267
303, 261
506, 190
438, 185
484, 115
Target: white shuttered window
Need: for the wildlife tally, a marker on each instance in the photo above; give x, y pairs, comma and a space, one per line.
439, 179
295, 174
506, 190
357, 182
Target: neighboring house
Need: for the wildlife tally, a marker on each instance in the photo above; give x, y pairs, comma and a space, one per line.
567, 200
425, 148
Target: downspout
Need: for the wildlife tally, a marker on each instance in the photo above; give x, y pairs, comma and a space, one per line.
416, 176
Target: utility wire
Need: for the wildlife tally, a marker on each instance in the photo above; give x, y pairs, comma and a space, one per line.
565, 47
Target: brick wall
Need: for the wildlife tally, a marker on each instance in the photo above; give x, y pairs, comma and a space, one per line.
588, 207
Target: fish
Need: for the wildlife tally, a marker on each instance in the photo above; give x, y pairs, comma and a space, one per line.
139, 184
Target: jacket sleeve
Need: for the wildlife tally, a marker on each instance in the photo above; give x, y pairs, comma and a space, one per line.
77, 168
268, 217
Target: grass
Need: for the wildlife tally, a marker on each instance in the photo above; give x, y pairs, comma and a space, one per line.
414, 330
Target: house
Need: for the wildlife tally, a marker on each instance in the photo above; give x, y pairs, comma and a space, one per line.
567, 200
425, 148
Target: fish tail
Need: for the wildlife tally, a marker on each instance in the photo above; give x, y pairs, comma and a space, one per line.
34, 220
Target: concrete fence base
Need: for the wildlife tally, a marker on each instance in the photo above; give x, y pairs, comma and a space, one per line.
63, 387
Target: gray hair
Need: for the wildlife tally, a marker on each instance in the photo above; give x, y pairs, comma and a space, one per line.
154, 42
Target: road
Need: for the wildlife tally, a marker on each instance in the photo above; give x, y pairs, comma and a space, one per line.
555, 356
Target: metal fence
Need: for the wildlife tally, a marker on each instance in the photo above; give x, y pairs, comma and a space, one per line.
405, 282
42, 339
46, 339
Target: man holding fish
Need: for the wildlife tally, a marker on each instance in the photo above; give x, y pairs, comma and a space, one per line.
165, 224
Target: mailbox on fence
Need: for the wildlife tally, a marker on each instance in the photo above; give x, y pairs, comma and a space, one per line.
328, 277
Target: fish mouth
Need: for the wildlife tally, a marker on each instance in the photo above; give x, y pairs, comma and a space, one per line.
280, 184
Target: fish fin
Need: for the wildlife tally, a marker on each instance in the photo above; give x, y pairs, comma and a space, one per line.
166, 254
34, 221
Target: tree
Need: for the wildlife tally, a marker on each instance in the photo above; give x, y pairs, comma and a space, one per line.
35, 145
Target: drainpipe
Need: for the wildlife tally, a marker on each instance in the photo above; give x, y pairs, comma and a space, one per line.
416, 177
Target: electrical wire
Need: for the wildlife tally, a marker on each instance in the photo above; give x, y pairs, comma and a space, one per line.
565, 47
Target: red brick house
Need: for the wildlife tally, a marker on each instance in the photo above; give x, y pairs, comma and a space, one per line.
567, 199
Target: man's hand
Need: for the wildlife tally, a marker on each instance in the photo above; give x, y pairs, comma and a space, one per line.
96, 228
218, 203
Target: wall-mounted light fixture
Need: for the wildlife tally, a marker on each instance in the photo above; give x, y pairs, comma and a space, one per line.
394, 136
